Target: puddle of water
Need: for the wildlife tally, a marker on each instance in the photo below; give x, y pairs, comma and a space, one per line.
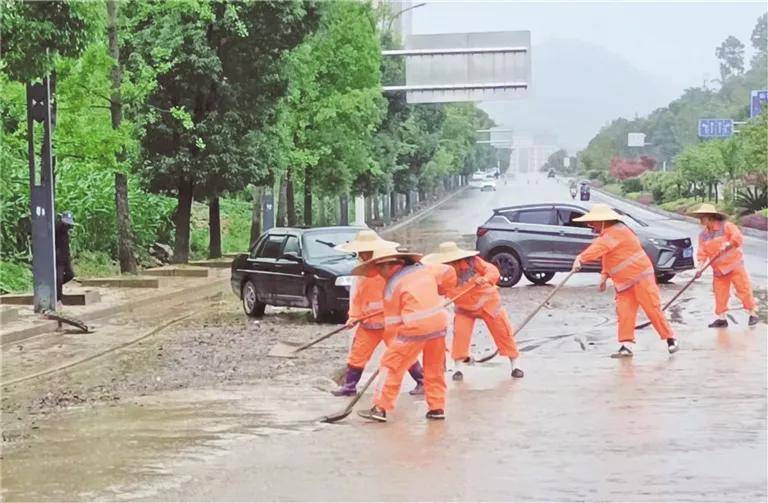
112, 451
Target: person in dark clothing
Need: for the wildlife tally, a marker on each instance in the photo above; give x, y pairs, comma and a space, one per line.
64, 272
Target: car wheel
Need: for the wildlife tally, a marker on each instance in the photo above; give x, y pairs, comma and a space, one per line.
509, 267
251, 304
539, 278
664, 277
317, 303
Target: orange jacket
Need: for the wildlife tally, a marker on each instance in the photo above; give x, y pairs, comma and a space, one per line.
366, 297
413, 306
623, 257
480, 298
711, 241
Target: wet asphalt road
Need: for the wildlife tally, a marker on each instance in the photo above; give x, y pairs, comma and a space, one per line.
579, 426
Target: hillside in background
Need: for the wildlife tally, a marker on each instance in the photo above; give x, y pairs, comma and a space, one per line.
577, 88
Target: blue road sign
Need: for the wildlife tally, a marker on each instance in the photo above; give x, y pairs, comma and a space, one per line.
756, 102
715, 128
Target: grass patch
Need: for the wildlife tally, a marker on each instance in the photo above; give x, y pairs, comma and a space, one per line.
15, 277
94, 265
613, 188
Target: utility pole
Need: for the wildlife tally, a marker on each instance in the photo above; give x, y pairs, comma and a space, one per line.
41, 192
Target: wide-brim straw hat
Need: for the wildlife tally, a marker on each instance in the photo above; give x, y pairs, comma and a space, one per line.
383, 254
365, 241
706, 209
599, 213
448, 252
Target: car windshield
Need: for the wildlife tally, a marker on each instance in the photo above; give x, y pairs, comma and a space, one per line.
630, 220
319, 244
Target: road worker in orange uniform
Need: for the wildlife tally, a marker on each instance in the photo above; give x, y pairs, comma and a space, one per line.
723, 238
367, 297
625, 262
482, 302
414, 312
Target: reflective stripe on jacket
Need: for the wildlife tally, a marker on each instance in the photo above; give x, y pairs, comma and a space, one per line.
366, 297
711, 242
413, 306
623, 257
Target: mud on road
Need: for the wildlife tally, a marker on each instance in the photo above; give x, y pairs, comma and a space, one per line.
216, 346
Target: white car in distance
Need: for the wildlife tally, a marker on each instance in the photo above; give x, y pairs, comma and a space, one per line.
483, 182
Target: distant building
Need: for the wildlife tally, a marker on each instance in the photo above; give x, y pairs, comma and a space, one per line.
531, 152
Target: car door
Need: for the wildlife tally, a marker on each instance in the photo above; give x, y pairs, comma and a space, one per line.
263, 263
572, 238
289, 273
535, 230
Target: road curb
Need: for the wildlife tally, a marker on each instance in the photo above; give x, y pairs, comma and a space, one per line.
755, 233
421, 214
209, 290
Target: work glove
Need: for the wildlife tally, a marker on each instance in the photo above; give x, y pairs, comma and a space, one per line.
576, 265
481, 281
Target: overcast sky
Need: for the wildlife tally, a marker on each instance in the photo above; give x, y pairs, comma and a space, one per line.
674, 42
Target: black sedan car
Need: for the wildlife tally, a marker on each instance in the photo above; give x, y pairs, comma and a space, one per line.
296, 267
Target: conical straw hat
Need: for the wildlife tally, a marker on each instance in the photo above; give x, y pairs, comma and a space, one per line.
706, 209
385, 253
365, 241
448, 252
599, 213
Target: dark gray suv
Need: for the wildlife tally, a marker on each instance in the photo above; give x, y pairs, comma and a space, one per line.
538, 240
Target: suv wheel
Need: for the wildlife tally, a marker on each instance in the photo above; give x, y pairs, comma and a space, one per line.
251, 304
664, 277
539, 278
509, 267
317, 303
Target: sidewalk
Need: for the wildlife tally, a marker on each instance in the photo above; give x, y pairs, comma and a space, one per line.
114, 300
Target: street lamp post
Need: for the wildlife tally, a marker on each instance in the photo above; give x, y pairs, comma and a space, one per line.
392, 19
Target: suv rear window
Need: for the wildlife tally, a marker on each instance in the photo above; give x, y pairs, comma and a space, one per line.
541, 217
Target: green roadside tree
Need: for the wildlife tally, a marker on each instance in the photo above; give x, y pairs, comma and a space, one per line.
333, 103
216, 91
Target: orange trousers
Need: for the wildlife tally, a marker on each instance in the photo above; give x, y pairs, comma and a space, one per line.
644, 294
498, 325
722, 286
364, 344
400, 355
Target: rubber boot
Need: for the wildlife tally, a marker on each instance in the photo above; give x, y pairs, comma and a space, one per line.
417, 372
349, 388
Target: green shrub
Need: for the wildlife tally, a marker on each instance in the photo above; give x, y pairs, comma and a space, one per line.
613, 188
94, 264
632, 185
681, 205
634, 195
15, 277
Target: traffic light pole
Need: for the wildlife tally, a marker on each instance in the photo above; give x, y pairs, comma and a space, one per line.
41, 192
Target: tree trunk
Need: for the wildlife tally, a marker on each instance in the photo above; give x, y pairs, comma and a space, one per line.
256, 193
282, 219
307, 198
181, 220
124, 233
214, 228
408, 202
321, 212
393, 204
290, 201
344, 210
122, 210
376, 200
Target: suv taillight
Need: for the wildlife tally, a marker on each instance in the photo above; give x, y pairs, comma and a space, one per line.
481, 231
